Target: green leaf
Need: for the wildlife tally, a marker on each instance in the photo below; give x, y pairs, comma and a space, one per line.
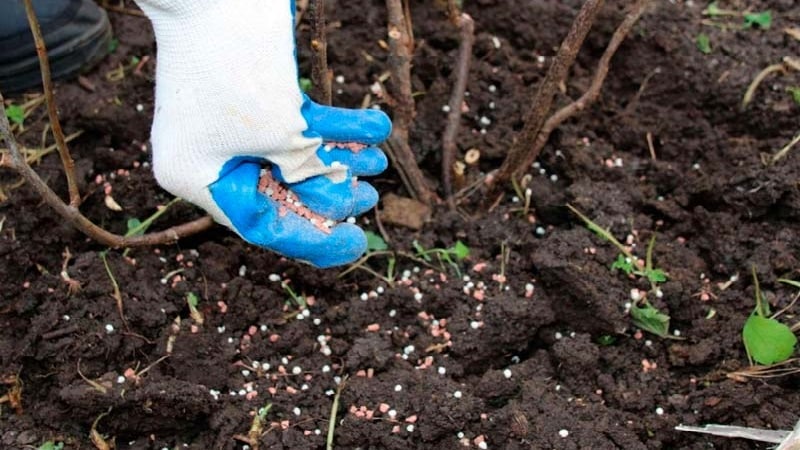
133, 227
192, 299
767, 341
650, 319
656, 275
762, 20
795, 91
623, 263
460, 250
703, 43
606, 340
421, 252
712, 10
112, 45
16, 114
375, 242
50, 445
305, 84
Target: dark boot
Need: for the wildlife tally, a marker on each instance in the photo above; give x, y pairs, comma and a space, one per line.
76, 33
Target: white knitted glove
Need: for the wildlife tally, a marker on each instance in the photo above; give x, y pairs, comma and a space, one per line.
227, 94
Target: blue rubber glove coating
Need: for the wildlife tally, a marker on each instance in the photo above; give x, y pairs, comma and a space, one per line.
349, 197
257, 218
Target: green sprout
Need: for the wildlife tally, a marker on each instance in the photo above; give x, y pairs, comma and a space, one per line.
795, 93
643, 313
113, 44
192, 300
762, 20
703, 43
459, 251
299, 300
376, 247
50, 445
766, 340
15, 114
375, 242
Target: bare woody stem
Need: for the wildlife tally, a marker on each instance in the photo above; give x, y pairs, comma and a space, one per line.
591, 94
55, 124
16, 161
320, 75
542, 100
401, 46
467, 26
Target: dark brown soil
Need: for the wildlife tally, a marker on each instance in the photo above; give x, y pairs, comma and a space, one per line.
518, 369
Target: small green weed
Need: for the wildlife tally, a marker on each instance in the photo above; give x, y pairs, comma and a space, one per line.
766, 340
15, 114
458, 252
192, 301
50, 445
758, 19
378, 247
761, 20
138, 227
643, 313
794, 91
375, 242
298, 299
606, 340
703, 42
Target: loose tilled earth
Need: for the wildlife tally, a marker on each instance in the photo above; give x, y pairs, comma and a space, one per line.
439, 360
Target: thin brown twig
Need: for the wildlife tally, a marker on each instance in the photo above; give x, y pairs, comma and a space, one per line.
467, 26
543, 98
401, 48
593, 91
320, 75
16, 161
55, 124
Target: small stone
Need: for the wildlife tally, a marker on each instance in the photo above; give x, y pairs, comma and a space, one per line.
563, 433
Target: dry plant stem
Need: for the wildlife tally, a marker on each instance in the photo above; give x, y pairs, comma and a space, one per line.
542, 100
58, 133
785, 150
593, 91
16, 161
751, 89
467, 26
401, 48
320, 77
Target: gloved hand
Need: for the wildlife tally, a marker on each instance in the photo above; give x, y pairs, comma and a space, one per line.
228, 102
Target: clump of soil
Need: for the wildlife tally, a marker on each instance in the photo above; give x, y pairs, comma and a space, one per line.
526, 345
